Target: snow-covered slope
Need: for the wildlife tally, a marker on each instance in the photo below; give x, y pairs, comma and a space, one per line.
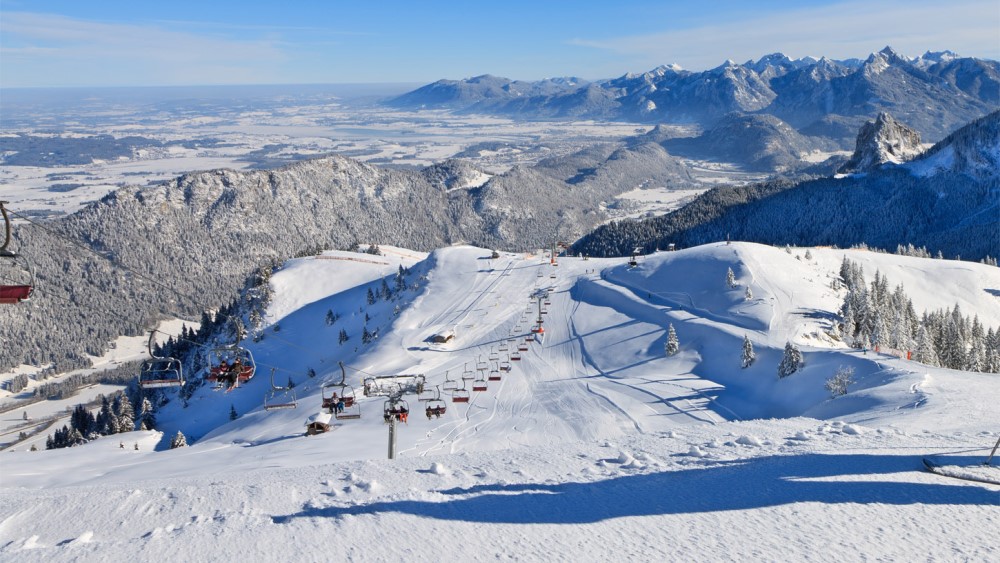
594, 446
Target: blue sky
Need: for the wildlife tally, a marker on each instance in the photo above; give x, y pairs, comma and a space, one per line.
180, 42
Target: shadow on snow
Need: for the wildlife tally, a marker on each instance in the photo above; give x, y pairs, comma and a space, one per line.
737, 485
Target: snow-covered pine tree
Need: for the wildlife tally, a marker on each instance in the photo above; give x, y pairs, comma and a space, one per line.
925, 353
749, 356
672, 346
179, 441
880, 334
748, 294
124, 413
400, 279
147, 418
975, 360
791, 361
108, 422
730, 278
370, 297
808, 255
837, 385
330, 319
342, 337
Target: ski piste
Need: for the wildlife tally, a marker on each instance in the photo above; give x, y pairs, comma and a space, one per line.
979, 472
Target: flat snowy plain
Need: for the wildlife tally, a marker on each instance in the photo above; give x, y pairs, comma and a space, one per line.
595, 446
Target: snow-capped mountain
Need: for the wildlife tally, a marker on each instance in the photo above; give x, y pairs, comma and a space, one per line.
758, 142
945, 200
881, 141
972, 151
812, 95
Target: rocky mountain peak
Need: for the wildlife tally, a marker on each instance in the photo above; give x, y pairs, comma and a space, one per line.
880, 141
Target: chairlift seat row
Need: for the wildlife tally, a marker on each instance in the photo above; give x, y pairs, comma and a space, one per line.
11, 294
159, 372
16, 278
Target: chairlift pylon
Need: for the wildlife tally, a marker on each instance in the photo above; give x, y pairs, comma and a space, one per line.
157, 371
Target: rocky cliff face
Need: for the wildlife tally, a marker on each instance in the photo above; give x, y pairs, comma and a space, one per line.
881, 141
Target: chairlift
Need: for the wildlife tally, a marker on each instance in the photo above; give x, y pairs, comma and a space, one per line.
480, 383
494, 355
522, 347
504, 346
505, 365
481, 365
17, 281
495, 373
231, 366
633, 261
339, 398
157, 371
468, 373
436, 406
396, 407
461, 394
516, 356
450, 384
279, 398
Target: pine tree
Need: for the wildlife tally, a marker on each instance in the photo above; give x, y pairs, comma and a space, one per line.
791, 361
748, 294
370, 298
147, 419
749, 357
107, 421
672, 346
232, 412
730, 278
366, 337
809, 255
342, 337
400, 279
330, 319
179, 441
925, 352
386, 291
837, 385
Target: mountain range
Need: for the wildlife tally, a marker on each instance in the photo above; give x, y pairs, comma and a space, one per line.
818, 97
947, 199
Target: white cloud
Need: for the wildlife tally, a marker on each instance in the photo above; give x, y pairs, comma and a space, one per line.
50, 50
844, 30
